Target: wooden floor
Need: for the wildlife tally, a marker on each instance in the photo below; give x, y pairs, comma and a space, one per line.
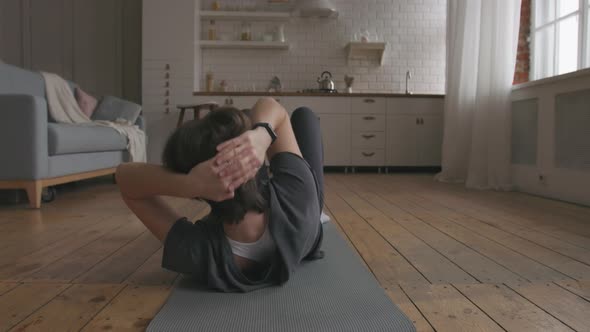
451, 259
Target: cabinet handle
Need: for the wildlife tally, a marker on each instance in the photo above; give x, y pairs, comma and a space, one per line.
421, 121
368, 136
167, 93
368, 118
369, 101
368, 154
166, 102
167, 110
167, 84
167, 66
417, 121
167, 76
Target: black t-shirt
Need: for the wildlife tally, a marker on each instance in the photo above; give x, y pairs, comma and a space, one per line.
202, 250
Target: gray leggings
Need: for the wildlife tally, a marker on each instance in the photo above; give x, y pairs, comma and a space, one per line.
306, 127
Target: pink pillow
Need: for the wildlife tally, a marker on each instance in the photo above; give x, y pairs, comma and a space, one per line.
86, 102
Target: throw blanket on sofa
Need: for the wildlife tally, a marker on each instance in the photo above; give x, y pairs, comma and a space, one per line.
63, 108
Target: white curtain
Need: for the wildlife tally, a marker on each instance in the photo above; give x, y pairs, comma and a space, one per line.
482, 37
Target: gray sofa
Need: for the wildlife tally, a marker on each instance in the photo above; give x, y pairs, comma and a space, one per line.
37, 152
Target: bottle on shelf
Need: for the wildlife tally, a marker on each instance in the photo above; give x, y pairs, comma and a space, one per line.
215, 5
211, 34
209, 83
280, 33
246, 32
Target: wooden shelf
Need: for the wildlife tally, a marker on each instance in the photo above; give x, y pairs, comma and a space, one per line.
243, 44
358, 50
244, 15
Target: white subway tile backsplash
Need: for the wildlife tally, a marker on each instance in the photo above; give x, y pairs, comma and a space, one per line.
413, 29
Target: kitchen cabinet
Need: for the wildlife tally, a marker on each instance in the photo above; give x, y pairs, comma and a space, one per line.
361, 131
336, 138
414, 131
401, 142
430, 136
368, 131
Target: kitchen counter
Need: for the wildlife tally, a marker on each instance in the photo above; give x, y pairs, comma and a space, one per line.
315, 94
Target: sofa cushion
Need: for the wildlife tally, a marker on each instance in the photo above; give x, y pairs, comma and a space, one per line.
112, 108
69, 138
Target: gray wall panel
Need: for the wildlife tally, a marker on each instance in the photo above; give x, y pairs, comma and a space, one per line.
524, 131
572, 130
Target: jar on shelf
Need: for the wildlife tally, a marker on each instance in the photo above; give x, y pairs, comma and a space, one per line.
211, 33
209, 82
246, 34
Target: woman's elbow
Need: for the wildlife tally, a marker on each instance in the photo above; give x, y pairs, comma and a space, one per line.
121, 176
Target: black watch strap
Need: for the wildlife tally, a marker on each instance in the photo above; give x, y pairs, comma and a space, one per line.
268, 128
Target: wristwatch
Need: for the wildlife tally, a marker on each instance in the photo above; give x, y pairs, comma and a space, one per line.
268, 128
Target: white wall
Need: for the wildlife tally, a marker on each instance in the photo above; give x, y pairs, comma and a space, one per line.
560, 183
414, 30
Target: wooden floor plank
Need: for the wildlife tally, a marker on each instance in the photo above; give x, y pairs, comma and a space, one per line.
28, 240
505, 214
404, 226
580, 287
130, 310
510, 310
6, 286
569, 308
70, 310
478, 266
76, 263
557, 243
28, 264
397, 295
152, 273
389, 267
25, 299
448, 310
563, 264
512, 260
434, 266
120, 265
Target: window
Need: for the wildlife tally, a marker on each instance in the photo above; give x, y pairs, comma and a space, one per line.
560, 37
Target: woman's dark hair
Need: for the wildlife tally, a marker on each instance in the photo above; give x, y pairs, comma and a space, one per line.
196, 141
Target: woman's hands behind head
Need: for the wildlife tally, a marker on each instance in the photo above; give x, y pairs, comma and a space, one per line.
240, 158
204, 177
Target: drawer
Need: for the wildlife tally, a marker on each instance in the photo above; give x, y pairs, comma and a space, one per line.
368, 139
368, 105
368, 157
368, 122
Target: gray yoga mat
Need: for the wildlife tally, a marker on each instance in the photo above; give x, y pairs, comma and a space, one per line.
336, 293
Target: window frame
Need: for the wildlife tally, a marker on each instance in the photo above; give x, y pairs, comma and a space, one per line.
583, 33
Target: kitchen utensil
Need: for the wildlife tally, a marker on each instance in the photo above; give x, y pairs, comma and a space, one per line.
325, 81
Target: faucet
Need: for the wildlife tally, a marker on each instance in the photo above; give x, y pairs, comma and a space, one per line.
408, 77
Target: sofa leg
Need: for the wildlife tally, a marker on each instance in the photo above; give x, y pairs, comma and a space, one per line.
34, 190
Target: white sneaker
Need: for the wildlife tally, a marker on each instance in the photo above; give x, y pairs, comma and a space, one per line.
324, 218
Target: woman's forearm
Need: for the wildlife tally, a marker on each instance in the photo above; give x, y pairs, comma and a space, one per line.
268, 110
139, 181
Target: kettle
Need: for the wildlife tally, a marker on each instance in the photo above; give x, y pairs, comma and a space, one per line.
325, 81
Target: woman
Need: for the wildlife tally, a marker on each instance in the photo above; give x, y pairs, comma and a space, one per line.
260, 228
